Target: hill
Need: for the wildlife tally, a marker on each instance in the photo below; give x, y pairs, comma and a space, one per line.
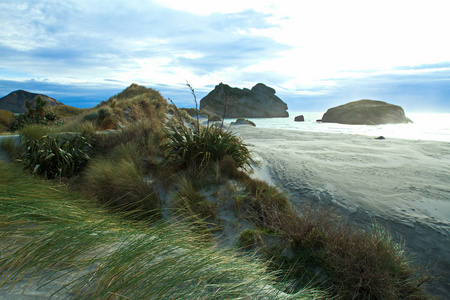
15, 101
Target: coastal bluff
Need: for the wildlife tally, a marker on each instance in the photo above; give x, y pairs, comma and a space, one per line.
366, 112
15, 101
259, 102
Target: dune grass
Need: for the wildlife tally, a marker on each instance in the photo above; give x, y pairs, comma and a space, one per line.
53, 237
6, 120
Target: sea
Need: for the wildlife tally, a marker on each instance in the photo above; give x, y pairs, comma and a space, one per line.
425, 126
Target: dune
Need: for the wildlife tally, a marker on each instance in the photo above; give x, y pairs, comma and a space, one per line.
402, 184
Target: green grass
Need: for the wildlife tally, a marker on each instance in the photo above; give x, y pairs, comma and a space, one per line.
49, 234
6, 120
118, 182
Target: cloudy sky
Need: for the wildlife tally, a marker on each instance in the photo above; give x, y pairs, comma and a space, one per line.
316, 54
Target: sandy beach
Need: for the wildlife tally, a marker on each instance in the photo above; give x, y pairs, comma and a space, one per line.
402, 184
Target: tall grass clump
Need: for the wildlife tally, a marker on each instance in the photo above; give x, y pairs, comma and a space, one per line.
200, 146
11, 146
351, 263
56, 244
118, 182
6, 120
192, 203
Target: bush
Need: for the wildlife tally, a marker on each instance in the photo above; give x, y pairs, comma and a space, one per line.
91, 117
37, 115
199, 147
55, 157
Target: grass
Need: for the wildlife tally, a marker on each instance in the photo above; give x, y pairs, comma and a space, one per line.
6, 120
118, 182
65, 111
51, 236
10, 145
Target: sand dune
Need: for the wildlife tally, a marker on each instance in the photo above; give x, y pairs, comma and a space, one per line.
403, 184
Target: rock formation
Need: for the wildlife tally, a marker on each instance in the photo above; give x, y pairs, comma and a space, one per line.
366, 112
299, 118
242, 121
259, 102
15, 101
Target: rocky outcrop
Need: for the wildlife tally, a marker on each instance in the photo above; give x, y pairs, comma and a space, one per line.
299, 118
15, 101
366, 112
259, 102
242, 121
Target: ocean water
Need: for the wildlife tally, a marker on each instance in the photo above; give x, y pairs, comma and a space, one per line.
426, 126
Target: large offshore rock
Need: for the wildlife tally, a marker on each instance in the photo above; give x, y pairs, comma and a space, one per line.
366, 112
259, 102
15, 101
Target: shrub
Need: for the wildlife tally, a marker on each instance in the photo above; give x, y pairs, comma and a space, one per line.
91, 117
198, 147
57, 156
37, 115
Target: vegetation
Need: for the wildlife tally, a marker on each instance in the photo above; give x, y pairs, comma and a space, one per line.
34, 115
54, 239
55, 157
6, 120
154, 160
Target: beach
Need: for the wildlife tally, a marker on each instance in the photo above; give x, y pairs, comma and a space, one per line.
401, 184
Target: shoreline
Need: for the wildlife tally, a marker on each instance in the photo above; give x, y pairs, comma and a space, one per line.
401, 184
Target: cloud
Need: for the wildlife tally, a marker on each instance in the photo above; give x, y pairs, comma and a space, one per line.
313, 53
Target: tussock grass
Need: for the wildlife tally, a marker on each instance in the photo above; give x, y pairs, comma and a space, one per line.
11, 146
52, 238
64, 111
6, 120
35, 131
353, 263
118, 182
192, 203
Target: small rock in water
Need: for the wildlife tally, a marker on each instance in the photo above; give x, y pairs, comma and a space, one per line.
299, 118
380, 138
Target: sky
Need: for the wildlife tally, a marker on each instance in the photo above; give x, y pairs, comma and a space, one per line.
315, 54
